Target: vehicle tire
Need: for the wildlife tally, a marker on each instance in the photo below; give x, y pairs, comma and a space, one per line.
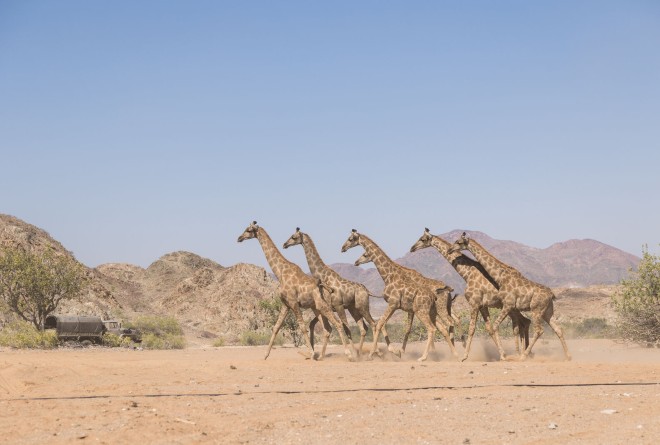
86, 343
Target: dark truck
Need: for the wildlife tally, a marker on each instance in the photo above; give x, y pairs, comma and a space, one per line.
88, 330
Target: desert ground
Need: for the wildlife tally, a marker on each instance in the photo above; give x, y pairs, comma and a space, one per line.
608, 393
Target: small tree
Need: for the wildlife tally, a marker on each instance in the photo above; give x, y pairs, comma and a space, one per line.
638, 302
32, 284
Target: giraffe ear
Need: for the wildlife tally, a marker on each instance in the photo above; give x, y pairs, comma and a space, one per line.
426, 229
297, 229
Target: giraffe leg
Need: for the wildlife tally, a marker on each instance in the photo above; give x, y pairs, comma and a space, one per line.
426, 320
303, 330
506, 309
312, 325
474, 314
548, 317
516, 331
538, 331
411, 317
494, 333
387, 340
520, 325
381, 323
362, 326
327, 313
341, 312
327, 331
525, 323
446, 334
372, 323
278, 324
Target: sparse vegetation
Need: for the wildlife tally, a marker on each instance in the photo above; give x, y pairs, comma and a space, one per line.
638, 302
218, 342
159, 332
24, 335
115, 341
32, 284
589, 328
254, 338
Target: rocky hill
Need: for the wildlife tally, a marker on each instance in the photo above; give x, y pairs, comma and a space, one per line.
204, 296
210, 300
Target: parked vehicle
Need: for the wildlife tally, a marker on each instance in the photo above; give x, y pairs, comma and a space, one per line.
115, 327
88, 330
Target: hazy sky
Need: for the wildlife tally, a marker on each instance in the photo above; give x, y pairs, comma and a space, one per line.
132, 129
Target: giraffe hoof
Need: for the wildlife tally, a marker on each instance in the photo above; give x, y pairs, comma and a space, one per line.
307, 355
463, 358
397, 353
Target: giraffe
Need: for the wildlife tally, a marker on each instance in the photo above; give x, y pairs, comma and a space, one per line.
346, 295
402, 291
516, 292
481, 293
296, 289
443, 298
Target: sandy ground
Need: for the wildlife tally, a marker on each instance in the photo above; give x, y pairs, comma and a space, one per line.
609, 393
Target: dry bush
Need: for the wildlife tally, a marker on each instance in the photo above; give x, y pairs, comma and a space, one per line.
24, 335
159, 332
638, 303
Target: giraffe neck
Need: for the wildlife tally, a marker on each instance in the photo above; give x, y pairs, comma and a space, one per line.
316, 265
443, 247
275, 259
386, 267
492, 265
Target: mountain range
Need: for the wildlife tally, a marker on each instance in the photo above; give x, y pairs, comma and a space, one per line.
211, 300
569, 264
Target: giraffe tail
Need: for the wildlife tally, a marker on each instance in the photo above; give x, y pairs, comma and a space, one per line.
384, 297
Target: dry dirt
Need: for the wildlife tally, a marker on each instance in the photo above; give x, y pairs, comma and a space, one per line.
609, 393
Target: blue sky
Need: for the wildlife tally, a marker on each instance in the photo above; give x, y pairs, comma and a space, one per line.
132, 129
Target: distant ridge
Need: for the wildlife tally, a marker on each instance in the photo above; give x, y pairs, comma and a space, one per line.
567, 264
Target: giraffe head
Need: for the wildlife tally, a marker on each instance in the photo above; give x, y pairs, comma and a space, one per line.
423, 241
364, 259
250, 232
460, 244
296, 238
352, 241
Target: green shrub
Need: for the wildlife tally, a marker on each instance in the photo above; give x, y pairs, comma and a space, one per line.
156, 325
115, 341
638, 302
23, 335
218, 342
164, 341
159, 332
254, 338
